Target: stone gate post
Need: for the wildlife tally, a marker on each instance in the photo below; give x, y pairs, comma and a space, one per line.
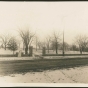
30, 50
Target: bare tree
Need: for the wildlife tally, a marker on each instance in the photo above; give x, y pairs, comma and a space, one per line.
4, 40
74, 47
27, 38
82, 42
36, 41
55, 41
12, 44
48, 40
66, 46
40, 44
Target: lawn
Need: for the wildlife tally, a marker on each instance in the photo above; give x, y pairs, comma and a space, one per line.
8, 53
22, 66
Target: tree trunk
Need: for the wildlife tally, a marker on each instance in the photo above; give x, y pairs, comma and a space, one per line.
26, 49
48, 48
23, 46
56, 48
36, 47
13, 52
5, 47
80, 51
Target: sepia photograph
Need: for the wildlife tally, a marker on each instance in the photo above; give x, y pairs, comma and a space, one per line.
43, 43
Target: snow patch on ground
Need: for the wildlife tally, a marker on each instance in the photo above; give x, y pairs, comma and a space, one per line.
70, 75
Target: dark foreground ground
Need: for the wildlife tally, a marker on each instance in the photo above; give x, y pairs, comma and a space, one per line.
23, 66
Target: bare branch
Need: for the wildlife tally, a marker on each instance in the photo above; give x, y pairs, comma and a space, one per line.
27, 37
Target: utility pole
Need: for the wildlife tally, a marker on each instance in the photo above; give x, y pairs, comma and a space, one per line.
63, 34
63, 30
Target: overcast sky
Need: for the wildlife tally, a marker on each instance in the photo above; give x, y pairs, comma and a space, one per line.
45, 17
